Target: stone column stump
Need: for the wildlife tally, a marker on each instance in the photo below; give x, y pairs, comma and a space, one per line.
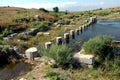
67, 37
59, 40
72, 33
48, 45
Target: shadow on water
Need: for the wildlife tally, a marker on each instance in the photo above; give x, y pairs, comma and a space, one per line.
13, 70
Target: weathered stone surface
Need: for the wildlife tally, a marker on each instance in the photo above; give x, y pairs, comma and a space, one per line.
72, 33
22, 79
32, 31
48, 44
16, 50
13, 35
46, 34
39, 33
67, 37
31, 53
93, 19
59, 40
84, 58
77, 31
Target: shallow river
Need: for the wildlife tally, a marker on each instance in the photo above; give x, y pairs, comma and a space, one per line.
103, 27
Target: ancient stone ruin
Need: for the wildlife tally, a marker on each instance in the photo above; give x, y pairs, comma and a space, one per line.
84, 59
31, 53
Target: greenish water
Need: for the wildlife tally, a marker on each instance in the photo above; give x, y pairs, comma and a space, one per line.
13, 70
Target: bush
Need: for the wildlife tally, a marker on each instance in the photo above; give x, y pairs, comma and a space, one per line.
4, 45
6, 32
53, 76
61, 54
103, 13
98, 46
44, 25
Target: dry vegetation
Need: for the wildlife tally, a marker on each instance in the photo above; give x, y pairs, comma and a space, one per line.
9, 15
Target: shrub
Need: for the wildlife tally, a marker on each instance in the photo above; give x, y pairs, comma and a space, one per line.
5, 48
44, 25
4, 45
6, 32
103, 13
98, 46
53, 76
61, 54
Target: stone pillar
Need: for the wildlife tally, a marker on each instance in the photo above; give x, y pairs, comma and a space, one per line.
83, 27
67, 37
72, 33
59, 40
77, 31
80, 28
86, 25
48, 45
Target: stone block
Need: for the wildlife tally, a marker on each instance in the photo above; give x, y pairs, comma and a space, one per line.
31, 53
59, 40
84, 58
48, 44
67, 37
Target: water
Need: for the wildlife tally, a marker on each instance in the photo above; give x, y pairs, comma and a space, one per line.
103, 27
13, 70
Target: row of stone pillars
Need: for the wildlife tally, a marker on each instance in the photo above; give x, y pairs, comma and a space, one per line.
71, 35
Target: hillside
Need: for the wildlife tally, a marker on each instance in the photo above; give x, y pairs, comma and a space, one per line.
25, 28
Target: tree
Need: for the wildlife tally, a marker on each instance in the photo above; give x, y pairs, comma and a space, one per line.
44, 10
56, 9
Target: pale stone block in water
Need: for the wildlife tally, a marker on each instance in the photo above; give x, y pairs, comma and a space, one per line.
59, 40
66, 35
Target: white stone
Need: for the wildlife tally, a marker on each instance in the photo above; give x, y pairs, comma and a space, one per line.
84, 58
46, 34
39, 33
22, 79
59, 40
31, 53
48, 44
66, 35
